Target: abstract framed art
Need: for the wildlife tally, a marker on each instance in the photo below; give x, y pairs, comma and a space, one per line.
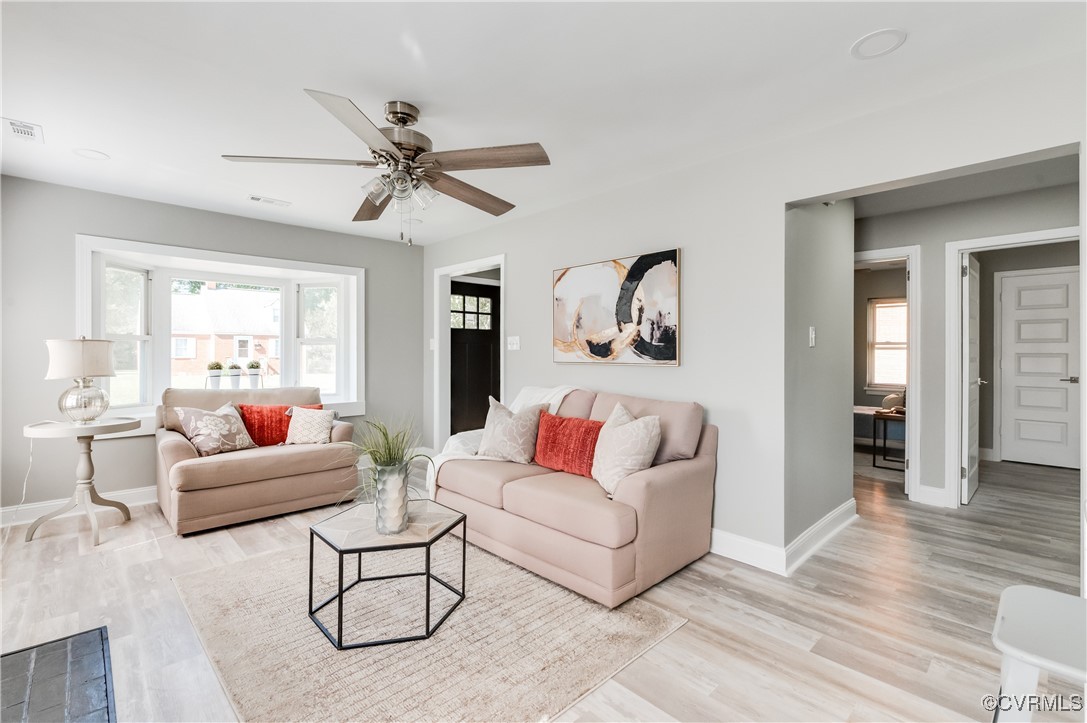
622, 311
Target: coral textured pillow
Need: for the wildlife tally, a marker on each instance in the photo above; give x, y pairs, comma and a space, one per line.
567, 444
268, 423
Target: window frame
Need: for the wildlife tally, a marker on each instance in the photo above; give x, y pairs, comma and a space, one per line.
163, 263
145, 351
300, 339
873, 345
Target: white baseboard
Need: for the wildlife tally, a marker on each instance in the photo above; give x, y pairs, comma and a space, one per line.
987, 454
783, 560
750, 552
811, 539
33, 510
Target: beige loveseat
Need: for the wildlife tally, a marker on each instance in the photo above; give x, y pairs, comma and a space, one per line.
564, 527
198, 493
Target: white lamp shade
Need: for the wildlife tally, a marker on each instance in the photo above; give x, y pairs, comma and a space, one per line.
78, 358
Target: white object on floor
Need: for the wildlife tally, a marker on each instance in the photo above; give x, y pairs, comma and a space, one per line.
85, 495
1037, 629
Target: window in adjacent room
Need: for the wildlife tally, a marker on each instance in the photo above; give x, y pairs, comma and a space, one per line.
888, 332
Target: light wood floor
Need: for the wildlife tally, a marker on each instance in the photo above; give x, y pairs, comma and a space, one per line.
890, 621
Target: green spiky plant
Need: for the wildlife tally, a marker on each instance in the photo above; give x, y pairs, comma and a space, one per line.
386, 448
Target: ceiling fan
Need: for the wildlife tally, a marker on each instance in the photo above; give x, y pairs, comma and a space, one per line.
413, 171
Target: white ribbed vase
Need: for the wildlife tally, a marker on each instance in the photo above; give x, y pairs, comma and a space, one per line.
391, 499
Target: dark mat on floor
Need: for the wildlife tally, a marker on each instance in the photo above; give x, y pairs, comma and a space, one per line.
65, 680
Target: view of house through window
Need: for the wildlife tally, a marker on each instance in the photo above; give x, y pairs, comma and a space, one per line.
224, 322
888, 332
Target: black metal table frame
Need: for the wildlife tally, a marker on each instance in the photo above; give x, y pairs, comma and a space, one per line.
337, 640
875, 449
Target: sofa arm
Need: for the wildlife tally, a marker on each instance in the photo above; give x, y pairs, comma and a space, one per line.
342, 431
174, 448
674, 504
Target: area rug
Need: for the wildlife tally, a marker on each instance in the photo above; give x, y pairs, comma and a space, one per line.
518, 648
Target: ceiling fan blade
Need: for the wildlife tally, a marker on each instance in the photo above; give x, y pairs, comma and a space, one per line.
349, 114
370, 211
467, 193
525, 154
317, 161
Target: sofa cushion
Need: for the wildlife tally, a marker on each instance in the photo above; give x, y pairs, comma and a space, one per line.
572, 504
626, 445
268, 424
681, 422
509, 435
578, 403
482, 480
259, 463
214, 432
567, 444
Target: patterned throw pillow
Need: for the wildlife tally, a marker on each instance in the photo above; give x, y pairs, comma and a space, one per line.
510, 436
567, 444
268, 423
310, 426
214, 432
626, 445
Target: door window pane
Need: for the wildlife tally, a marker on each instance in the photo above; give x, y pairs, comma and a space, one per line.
484, 321
471, 321
456, 320
484, 305
456, 302
470, 303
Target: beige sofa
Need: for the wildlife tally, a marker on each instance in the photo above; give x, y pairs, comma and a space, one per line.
564, 527
198, 493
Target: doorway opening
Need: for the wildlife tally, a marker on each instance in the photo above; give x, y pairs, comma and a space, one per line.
469, 361
1013, 355
886, 378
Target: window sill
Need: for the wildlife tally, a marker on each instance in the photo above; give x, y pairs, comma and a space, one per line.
883, 391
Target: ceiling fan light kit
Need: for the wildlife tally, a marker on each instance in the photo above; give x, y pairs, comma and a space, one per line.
414, 174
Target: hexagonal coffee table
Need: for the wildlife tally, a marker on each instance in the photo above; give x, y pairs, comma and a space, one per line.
353, 532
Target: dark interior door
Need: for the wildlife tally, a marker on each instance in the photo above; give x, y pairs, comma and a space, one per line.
474, 372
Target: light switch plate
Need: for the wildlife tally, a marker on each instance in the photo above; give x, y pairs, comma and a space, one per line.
811, 337
513, 343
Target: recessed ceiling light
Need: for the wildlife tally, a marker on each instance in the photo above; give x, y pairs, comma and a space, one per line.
877, 44
91, 154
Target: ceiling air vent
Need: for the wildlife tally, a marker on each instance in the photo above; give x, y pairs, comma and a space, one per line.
23, 131
270, 201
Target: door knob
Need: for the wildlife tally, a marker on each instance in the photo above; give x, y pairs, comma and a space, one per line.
1073, 380
981, 381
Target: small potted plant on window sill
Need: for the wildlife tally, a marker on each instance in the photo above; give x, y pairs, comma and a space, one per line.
215, 370
254, 373
235, 370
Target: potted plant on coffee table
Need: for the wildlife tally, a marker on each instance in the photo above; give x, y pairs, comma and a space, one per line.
391, 453
235, 371
254, 373
215, 370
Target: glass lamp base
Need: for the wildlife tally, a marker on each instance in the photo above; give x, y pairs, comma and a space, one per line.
84, 402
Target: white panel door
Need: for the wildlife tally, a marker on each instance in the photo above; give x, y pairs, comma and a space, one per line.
971, 389
1039, 359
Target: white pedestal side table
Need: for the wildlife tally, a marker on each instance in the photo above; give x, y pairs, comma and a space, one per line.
85, 495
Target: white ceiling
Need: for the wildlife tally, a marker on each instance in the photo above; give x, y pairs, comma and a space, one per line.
615, 92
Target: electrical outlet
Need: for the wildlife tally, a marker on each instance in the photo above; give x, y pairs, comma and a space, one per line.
513, 343
811, 337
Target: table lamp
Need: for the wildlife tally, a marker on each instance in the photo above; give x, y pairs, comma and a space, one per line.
80, 360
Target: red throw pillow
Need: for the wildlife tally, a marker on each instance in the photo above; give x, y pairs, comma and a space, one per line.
567, 444
267, 424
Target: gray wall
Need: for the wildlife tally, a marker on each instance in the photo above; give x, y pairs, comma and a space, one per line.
818, 413
1033, 257
39, 225
888, 284
931, 229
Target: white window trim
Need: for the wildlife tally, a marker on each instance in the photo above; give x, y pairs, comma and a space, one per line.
870, 387
350, 402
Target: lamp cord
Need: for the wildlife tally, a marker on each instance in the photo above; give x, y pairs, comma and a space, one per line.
18, 507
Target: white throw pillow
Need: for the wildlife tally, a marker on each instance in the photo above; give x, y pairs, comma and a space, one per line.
310, 426
510, 436
626, 445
